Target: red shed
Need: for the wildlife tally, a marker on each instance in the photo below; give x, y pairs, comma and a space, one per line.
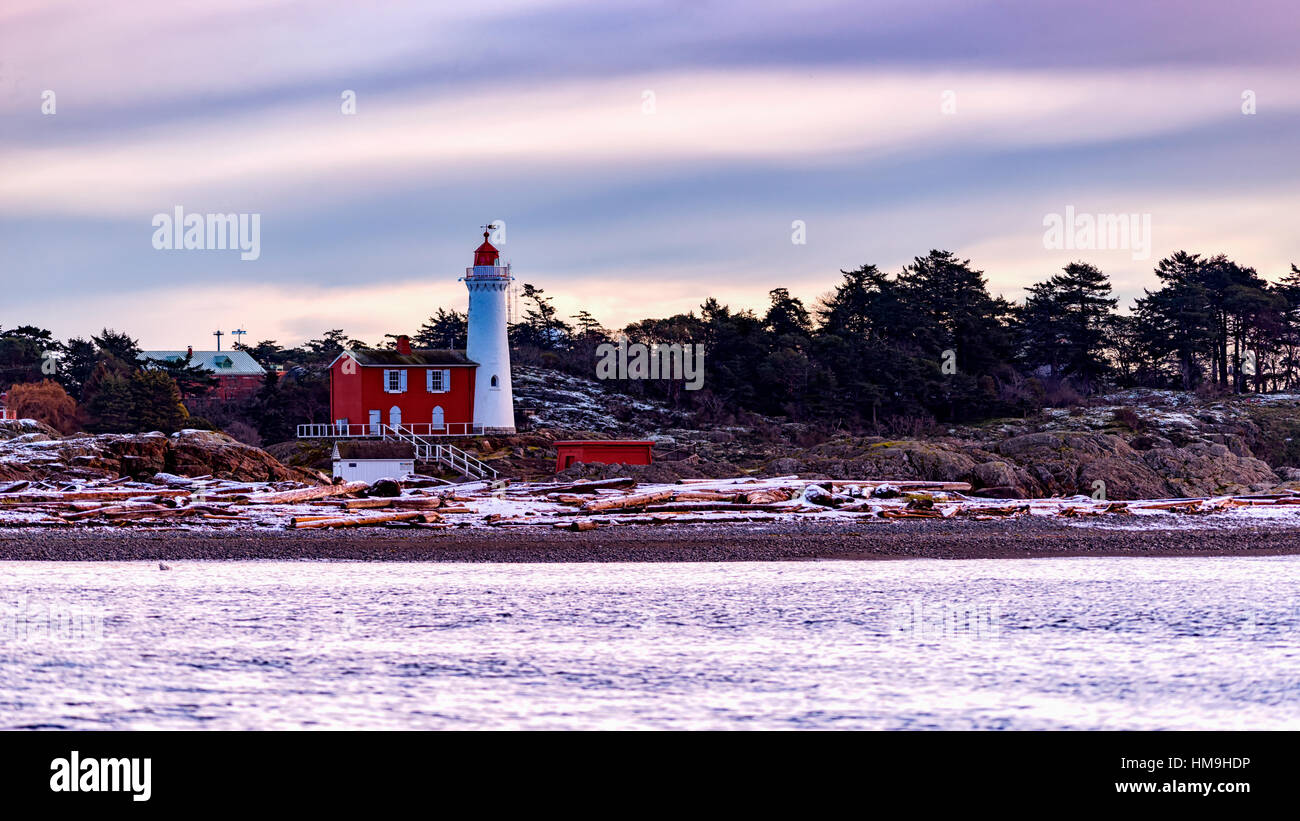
603, 451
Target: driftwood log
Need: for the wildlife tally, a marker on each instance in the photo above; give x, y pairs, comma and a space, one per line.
584, 487
631, 500
307, 494
93, 495
361, 521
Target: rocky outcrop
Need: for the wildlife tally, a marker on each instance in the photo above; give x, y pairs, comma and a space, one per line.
873, 458
1209, 468
208, 453
106, 456
38, 455
13, 428
1045, 463
1070, 463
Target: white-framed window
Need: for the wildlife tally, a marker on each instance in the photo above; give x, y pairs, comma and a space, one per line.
437, 381
395, 381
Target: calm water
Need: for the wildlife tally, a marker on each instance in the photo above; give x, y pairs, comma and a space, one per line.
1049, 643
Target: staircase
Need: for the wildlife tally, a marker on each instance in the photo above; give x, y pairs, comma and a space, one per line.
430, 450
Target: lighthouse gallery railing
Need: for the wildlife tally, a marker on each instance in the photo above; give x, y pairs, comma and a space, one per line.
488, 272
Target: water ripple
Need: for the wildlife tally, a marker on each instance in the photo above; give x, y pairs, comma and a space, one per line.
1044, 644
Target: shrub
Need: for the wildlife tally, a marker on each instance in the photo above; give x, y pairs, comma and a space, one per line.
46, 402
1209, 391
909, 426
244, 432
1129, 418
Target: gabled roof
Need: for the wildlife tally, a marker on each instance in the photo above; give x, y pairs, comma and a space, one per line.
222, 363
421, 357
374, 450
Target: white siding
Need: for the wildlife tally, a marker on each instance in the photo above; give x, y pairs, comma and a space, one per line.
372, 470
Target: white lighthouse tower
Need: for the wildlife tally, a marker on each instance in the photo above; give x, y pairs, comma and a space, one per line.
488, 281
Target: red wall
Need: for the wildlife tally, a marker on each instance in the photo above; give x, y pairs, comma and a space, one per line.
614, 452
237, 387
353, 396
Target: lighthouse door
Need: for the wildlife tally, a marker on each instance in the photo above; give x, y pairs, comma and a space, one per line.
438, 419
395, 416
375, 420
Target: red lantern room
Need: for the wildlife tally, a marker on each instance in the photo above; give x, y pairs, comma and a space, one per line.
486, 254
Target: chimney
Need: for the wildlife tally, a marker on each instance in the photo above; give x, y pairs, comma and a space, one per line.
404, 345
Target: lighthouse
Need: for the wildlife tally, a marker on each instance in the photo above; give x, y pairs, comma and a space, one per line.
488, 282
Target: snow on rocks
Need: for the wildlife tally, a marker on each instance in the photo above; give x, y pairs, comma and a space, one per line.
421, 503
556, 399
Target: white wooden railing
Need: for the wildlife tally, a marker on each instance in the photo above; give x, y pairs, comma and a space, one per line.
460, 461
427, 449
369, 431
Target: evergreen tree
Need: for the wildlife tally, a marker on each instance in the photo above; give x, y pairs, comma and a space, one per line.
118, 345
268, 353
1065, 322
1176, 322
1125, 352
325, 350
78, 363
957, 312
109, 402
1288, 338
443, 330
588, 328
24, 353
192, 380
541, 326
787, 316
156, 402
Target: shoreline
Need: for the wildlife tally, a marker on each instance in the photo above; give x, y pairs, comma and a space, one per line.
927, 539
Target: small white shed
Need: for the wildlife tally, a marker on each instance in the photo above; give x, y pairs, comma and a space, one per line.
372, 461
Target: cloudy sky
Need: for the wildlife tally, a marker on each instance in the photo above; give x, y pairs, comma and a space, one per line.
642, 156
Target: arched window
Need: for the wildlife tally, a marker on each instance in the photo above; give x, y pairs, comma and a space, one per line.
495, 382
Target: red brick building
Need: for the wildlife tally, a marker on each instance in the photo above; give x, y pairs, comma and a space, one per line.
238, 374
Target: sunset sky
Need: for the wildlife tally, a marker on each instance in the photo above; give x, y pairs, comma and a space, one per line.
535, 113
